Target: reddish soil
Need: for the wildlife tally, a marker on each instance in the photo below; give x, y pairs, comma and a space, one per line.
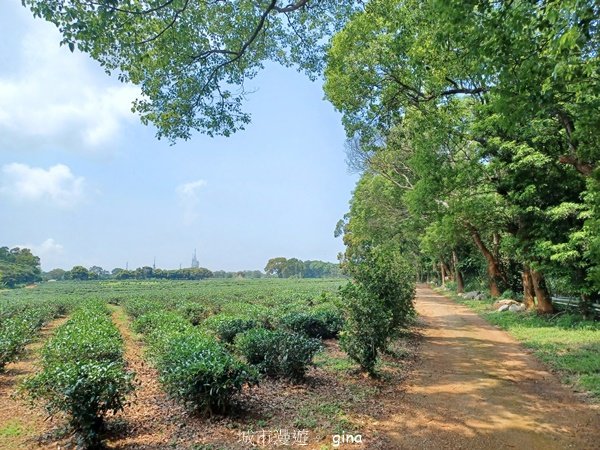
477, 388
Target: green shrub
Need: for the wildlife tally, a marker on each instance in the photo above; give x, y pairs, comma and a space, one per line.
324, 324
88, 335
151, 322
83, 373
197, 370
19, 326
85, 390
15, 334
451, 285
508, 294
278, 353
379, 302
137, 307
228, 328
194, 312
366, 332
60, 308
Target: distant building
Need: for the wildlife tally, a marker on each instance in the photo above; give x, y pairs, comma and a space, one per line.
195, 263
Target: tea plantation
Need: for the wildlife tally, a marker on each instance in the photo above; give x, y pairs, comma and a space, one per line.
207, 345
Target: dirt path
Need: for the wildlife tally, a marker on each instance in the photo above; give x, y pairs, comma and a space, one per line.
149, 417
477, 388
20, 425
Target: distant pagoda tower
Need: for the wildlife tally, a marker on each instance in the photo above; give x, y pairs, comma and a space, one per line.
195, 263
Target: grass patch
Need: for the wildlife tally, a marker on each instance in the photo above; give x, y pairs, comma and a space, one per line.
12, 428
567, 342
334, 363
327, 415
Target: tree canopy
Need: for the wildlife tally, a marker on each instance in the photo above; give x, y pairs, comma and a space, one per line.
478, 117
294, 268
191, 59
18, 266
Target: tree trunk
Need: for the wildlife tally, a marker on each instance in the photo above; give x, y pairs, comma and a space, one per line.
496, 244
460, 284
544, 302
443, 272
447, 271
528, 291
496, 277
585, 307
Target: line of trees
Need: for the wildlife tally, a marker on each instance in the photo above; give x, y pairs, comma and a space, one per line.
276, 267
295, 268
475, 128
81, 273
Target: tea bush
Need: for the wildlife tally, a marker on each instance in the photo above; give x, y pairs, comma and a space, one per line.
151, 322
193, 367
228, 328
323, 324
278, 353
89, 334
197, 370
15, 334
192, 311
137, 307
83, 373
19, 326
85, 390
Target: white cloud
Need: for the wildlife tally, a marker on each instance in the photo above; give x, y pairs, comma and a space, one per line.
49, 252
188, 194
49, 246
46, 248
56, 97
57, 184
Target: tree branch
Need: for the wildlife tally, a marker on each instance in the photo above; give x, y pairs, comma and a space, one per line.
169, 25
291, 7
581, 167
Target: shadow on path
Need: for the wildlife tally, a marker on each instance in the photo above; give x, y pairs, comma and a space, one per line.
477, 388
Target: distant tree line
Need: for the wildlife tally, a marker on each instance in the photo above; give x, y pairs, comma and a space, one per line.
18, 266
145, 273
276, 267
295, 268
239, 274
141, 273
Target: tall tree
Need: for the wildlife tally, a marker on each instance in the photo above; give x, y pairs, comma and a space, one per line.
276, 266
497, 109
18, 266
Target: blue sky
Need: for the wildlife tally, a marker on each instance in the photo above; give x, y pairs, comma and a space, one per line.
83, 182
